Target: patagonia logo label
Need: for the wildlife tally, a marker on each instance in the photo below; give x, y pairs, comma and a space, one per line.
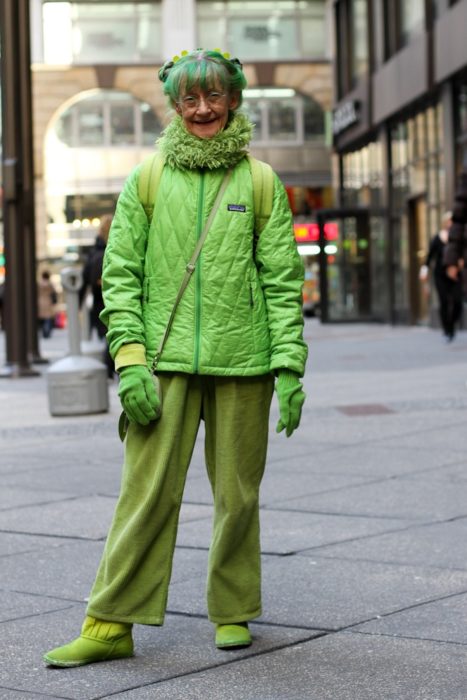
236, 207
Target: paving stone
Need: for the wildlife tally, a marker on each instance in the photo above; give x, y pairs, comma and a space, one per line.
11, 497
354, 424
331, 594
417, 499
367, 460
288, 531
277, 485
442, 620
15, 606
35, 572
16, 544
183, 645
452, 437
418, 592
87, 517
86, 479
65, 572
336, 667
442, 545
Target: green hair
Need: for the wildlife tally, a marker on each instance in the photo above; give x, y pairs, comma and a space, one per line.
204, 69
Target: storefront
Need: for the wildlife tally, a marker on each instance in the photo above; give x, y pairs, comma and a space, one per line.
400, 138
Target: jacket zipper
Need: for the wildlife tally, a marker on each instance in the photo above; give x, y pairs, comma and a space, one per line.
199, 230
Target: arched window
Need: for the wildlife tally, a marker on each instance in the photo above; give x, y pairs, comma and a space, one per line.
108, 118
283, 117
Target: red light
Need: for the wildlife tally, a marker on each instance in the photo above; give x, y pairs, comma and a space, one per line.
309, 233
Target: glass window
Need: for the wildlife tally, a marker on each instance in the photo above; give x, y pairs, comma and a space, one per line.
101, 32
283, 120
462, 109
64, 128
108, 118
269, 30
150, 125
314, 120
90, 122
268, 37
122, 124
254, 109
282, 115
412, 19
359, 19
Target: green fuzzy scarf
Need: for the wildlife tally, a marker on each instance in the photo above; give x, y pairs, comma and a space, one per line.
183, 150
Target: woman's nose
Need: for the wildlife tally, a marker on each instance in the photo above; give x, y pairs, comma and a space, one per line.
204, 105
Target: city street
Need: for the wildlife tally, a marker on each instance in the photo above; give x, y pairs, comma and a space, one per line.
364, 537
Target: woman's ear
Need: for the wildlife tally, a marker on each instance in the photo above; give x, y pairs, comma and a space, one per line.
177, 107
234, 101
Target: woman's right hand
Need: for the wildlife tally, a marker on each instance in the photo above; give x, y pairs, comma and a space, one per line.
138, 395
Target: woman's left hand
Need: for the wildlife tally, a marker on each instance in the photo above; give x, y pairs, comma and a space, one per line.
291, 398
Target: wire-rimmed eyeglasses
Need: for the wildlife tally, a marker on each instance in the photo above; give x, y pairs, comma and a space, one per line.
213, 99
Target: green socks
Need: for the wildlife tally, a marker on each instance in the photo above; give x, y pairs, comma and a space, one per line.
99, 641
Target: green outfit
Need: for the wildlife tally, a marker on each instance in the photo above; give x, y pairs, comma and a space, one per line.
133, 578
241, 314
239, 321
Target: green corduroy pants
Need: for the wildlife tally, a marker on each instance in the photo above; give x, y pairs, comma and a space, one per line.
133, 577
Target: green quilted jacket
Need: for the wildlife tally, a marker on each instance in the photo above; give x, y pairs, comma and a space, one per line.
241, 313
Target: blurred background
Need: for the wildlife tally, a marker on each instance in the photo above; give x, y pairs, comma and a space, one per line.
359, 105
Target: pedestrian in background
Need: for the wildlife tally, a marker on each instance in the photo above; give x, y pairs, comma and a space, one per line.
449, 290
46, 301
238, 326
92, 279
455, 254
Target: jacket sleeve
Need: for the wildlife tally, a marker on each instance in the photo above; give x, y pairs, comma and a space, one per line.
457, 244
123, 270
281, 275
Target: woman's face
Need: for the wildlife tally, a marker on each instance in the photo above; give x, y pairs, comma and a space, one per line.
205, 113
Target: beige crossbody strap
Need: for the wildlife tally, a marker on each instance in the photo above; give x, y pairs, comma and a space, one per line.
190, 268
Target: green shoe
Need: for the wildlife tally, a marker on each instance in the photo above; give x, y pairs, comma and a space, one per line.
99, 641
233, 636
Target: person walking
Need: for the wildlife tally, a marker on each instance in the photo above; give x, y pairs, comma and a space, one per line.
237, 331
92, 279
455, 254
449, 290
46, 300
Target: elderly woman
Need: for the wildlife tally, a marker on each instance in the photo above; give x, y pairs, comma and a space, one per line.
238, 325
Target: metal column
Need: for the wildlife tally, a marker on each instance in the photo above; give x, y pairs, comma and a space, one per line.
18, 183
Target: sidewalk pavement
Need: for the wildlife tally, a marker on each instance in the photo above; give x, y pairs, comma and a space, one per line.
364, 538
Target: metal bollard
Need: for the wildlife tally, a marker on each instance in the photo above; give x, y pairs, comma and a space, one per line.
76, 384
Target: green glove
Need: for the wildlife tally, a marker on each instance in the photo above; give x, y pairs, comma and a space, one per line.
291, 398
138, 394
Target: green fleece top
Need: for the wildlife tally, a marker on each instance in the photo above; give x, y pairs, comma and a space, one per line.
241, 313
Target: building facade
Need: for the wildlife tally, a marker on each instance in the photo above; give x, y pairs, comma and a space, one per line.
400, 135
99, 107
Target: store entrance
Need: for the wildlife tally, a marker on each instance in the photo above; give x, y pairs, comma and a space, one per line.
417, 252
345, 288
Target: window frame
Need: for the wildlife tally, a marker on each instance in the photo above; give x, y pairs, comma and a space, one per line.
106, 104
227, 14
299, 102
75, 23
